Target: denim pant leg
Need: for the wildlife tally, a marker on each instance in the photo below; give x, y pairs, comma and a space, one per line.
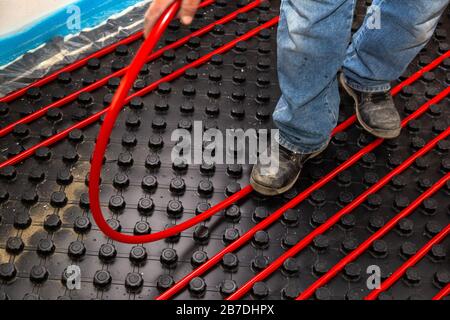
313, 37
393, 33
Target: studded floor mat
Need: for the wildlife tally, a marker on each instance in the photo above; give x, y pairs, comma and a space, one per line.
46, 226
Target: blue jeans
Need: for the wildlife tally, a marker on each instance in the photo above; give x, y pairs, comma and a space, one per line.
313, 45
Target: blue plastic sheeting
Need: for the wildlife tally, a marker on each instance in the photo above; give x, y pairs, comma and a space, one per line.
92, 13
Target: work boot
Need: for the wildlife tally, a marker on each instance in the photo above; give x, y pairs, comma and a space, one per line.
271, 181
375, 111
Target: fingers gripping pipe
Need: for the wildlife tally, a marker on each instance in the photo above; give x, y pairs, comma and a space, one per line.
105, 132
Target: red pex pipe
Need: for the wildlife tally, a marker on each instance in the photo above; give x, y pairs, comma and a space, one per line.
174, 75
105, 131
98, 84
307, 293
216, 259
27, 153
443, 293
104, 51
82, 62
337, 216
408, 264
434, 64
50, 141
73, 96
291, 204
118, 102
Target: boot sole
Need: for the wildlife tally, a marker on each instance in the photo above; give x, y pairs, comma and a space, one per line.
379, 133
267, 191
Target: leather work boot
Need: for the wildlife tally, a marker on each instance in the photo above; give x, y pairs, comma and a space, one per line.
270, 182
375, 111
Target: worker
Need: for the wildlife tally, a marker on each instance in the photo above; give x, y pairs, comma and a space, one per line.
316, 54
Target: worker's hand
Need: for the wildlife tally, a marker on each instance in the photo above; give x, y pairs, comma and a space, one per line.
157, 7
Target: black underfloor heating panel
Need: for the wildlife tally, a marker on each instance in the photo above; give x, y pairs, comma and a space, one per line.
46, 226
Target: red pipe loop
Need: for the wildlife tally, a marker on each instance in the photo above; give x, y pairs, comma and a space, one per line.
112, 112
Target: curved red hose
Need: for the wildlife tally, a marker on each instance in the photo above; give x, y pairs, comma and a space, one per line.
105, 132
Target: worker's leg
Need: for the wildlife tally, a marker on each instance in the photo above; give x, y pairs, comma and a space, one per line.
313, 37
382, 50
